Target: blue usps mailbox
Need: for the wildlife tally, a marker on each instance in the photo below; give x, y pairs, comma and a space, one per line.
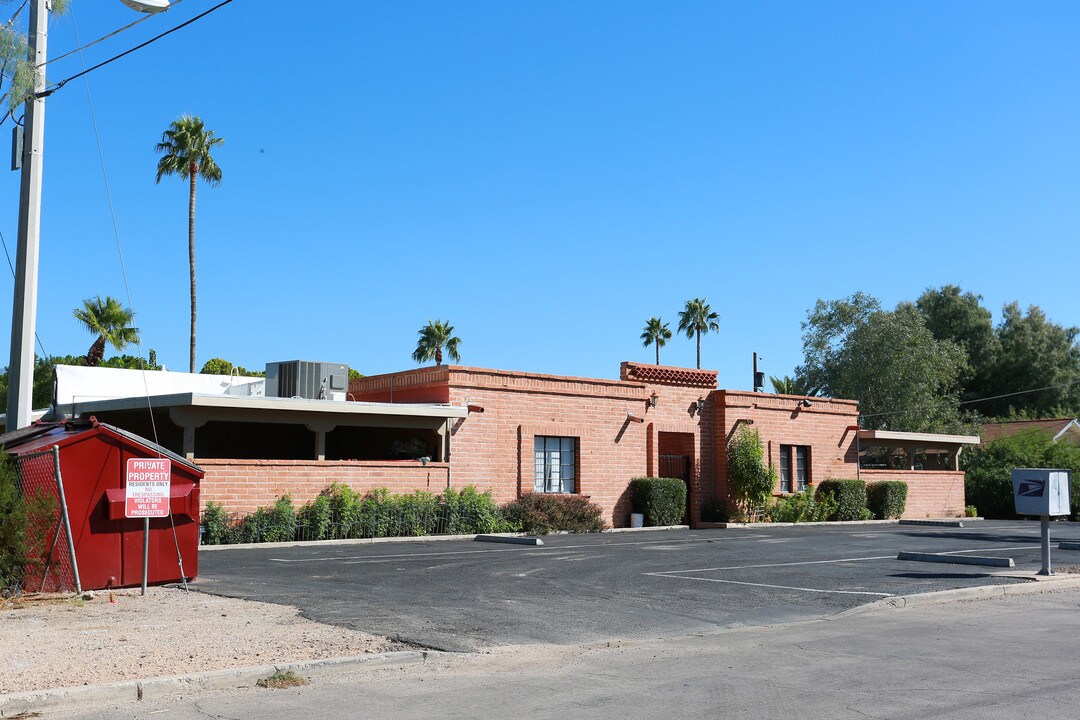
1043, 492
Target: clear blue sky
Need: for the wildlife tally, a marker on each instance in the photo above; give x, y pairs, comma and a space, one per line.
548, 175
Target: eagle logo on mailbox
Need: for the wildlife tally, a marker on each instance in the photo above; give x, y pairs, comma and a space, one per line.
1031, 487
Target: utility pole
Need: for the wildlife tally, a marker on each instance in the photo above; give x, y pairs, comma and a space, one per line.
24, 305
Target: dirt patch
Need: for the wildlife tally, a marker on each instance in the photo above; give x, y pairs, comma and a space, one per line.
60, 642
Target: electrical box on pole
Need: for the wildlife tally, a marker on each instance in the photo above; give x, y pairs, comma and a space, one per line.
16, 147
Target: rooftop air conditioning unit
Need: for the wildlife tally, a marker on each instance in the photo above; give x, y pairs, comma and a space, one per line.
308, 380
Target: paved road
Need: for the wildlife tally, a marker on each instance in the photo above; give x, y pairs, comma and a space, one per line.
985, 660
465, 595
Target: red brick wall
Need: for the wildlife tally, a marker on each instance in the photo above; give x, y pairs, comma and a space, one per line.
931, 493
494, 449
243, 485
780, 420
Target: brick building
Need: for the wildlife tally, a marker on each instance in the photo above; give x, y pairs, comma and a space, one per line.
529, 432
515, 432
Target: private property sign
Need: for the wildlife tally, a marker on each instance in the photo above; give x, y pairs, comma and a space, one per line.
147, 488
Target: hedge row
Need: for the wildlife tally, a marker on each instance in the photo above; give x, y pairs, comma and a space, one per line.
339, 512
843, 500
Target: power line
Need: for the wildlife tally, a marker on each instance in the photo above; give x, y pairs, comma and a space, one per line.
140, 46
103, 38
977, 400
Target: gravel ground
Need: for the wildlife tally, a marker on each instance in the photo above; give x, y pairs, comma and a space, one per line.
49, 642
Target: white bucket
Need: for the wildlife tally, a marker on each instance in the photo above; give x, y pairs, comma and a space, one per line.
637, 520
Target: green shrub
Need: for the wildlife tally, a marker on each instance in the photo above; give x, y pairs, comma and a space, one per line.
13, 521
315, 520
887, 498
542, 513
661, 500
471, 512
971, 511
751, 480
215, 523
850, 496
803, 507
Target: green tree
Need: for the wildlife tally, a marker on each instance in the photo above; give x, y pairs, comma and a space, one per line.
903, 378
185, 151
751, 480
110, 321
221, 366
435, 336
655, 333
697, 318
1034, 353
951, 314
988, 470
15, 62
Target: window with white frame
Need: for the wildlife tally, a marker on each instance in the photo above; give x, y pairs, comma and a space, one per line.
556, 464
794, 468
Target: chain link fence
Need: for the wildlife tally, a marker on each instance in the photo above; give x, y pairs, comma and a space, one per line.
49, 551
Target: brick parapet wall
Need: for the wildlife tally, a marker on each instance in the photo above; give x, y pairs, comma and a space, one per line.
495, 448
824, 427
243, 485
931, 493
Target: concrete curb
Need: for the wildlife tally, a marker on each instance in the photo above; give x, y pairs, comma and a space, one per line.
766, 525
511, 540
956, 559
177, 686
1033, 586
941, 523
651, 528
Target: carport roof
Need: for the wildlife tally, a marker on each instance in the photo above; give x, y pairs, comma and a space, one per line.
306, 408
892, 438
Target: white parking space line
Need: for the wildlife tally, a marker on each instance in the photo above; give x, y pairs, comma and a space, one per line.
786, 564
842, 560
993, 549
774, 587
542, 549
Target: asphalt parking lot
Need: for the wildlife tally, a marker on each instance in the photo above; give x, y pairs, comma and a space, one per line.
465, 595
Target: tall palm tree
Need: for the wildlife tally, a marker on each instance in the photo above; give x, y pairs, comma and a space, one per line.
698, 318
110, 321
433, 338
185, 149
655, 333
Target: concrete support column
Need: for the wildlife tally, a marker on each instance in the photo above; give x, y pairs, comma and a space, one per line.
189, 442
320, 430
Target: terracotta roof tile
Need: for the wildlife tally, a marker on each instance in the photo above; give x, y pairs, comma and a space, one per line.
667, 375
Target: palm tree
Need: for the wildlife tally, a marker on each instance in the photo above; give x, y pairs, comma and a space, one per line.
185, 149
697, 318
110, 321
655, 333
788, 385
433, 338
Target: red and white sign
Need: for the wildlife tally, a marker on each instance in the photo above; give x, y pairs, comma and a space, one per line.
147, 487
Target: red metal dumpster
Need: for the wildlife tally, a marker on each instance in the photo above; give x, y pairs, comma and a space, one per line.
109, 546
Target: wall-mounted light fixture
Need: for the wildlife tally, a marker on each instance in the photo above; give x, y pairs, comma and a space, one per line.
700, 403
631, 417
653, 398
424, 460
805, 403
